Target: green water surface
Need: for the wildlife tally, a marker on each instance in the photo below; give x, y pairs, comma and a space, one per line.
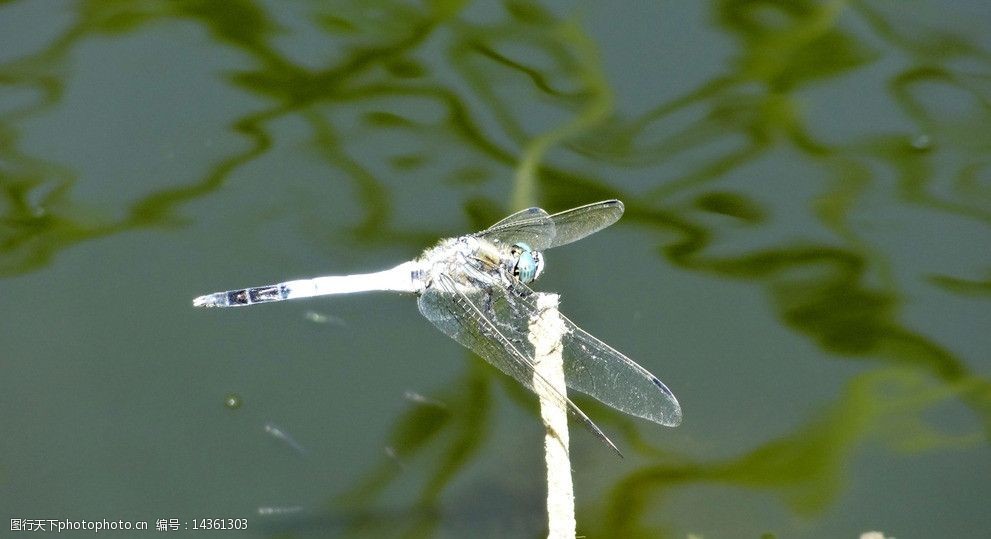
804, 261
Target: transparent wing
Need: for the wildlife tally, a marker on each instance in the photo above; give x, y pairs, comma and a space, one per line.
576, 223
469, 318
523, 216
595, 368
532, 226
598, 370
542, 231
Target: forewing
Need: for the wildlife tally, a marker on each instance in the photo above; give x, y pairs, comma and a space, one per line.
531, 226
476, 320
522, 216
576, 223
598, 370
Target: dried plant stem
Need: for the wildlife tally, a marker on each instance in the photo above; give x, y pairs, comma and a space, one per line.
546, 332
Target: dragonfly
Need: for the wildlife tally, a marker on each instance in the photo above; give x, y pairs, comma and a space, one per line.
475, 289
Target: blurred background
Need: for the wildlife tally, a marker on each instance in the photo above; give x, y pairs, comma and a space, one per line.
804, 260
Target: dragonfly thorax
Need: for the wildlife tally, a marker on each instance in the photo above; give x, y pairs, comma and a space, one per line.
475, 262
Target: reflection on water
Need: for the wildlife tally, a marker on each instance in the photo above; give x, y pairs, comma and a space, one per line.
523, 94
806, 468
274, 431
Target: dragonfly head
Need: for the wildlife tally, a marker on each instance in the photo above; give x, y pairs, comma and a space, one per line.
529, 263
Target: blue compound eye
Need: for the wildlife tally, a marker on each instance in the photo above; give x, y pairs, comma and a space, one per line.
529, 265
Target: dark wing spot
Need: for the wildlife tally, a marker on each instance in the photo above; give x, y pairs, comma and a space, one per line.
661, 386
